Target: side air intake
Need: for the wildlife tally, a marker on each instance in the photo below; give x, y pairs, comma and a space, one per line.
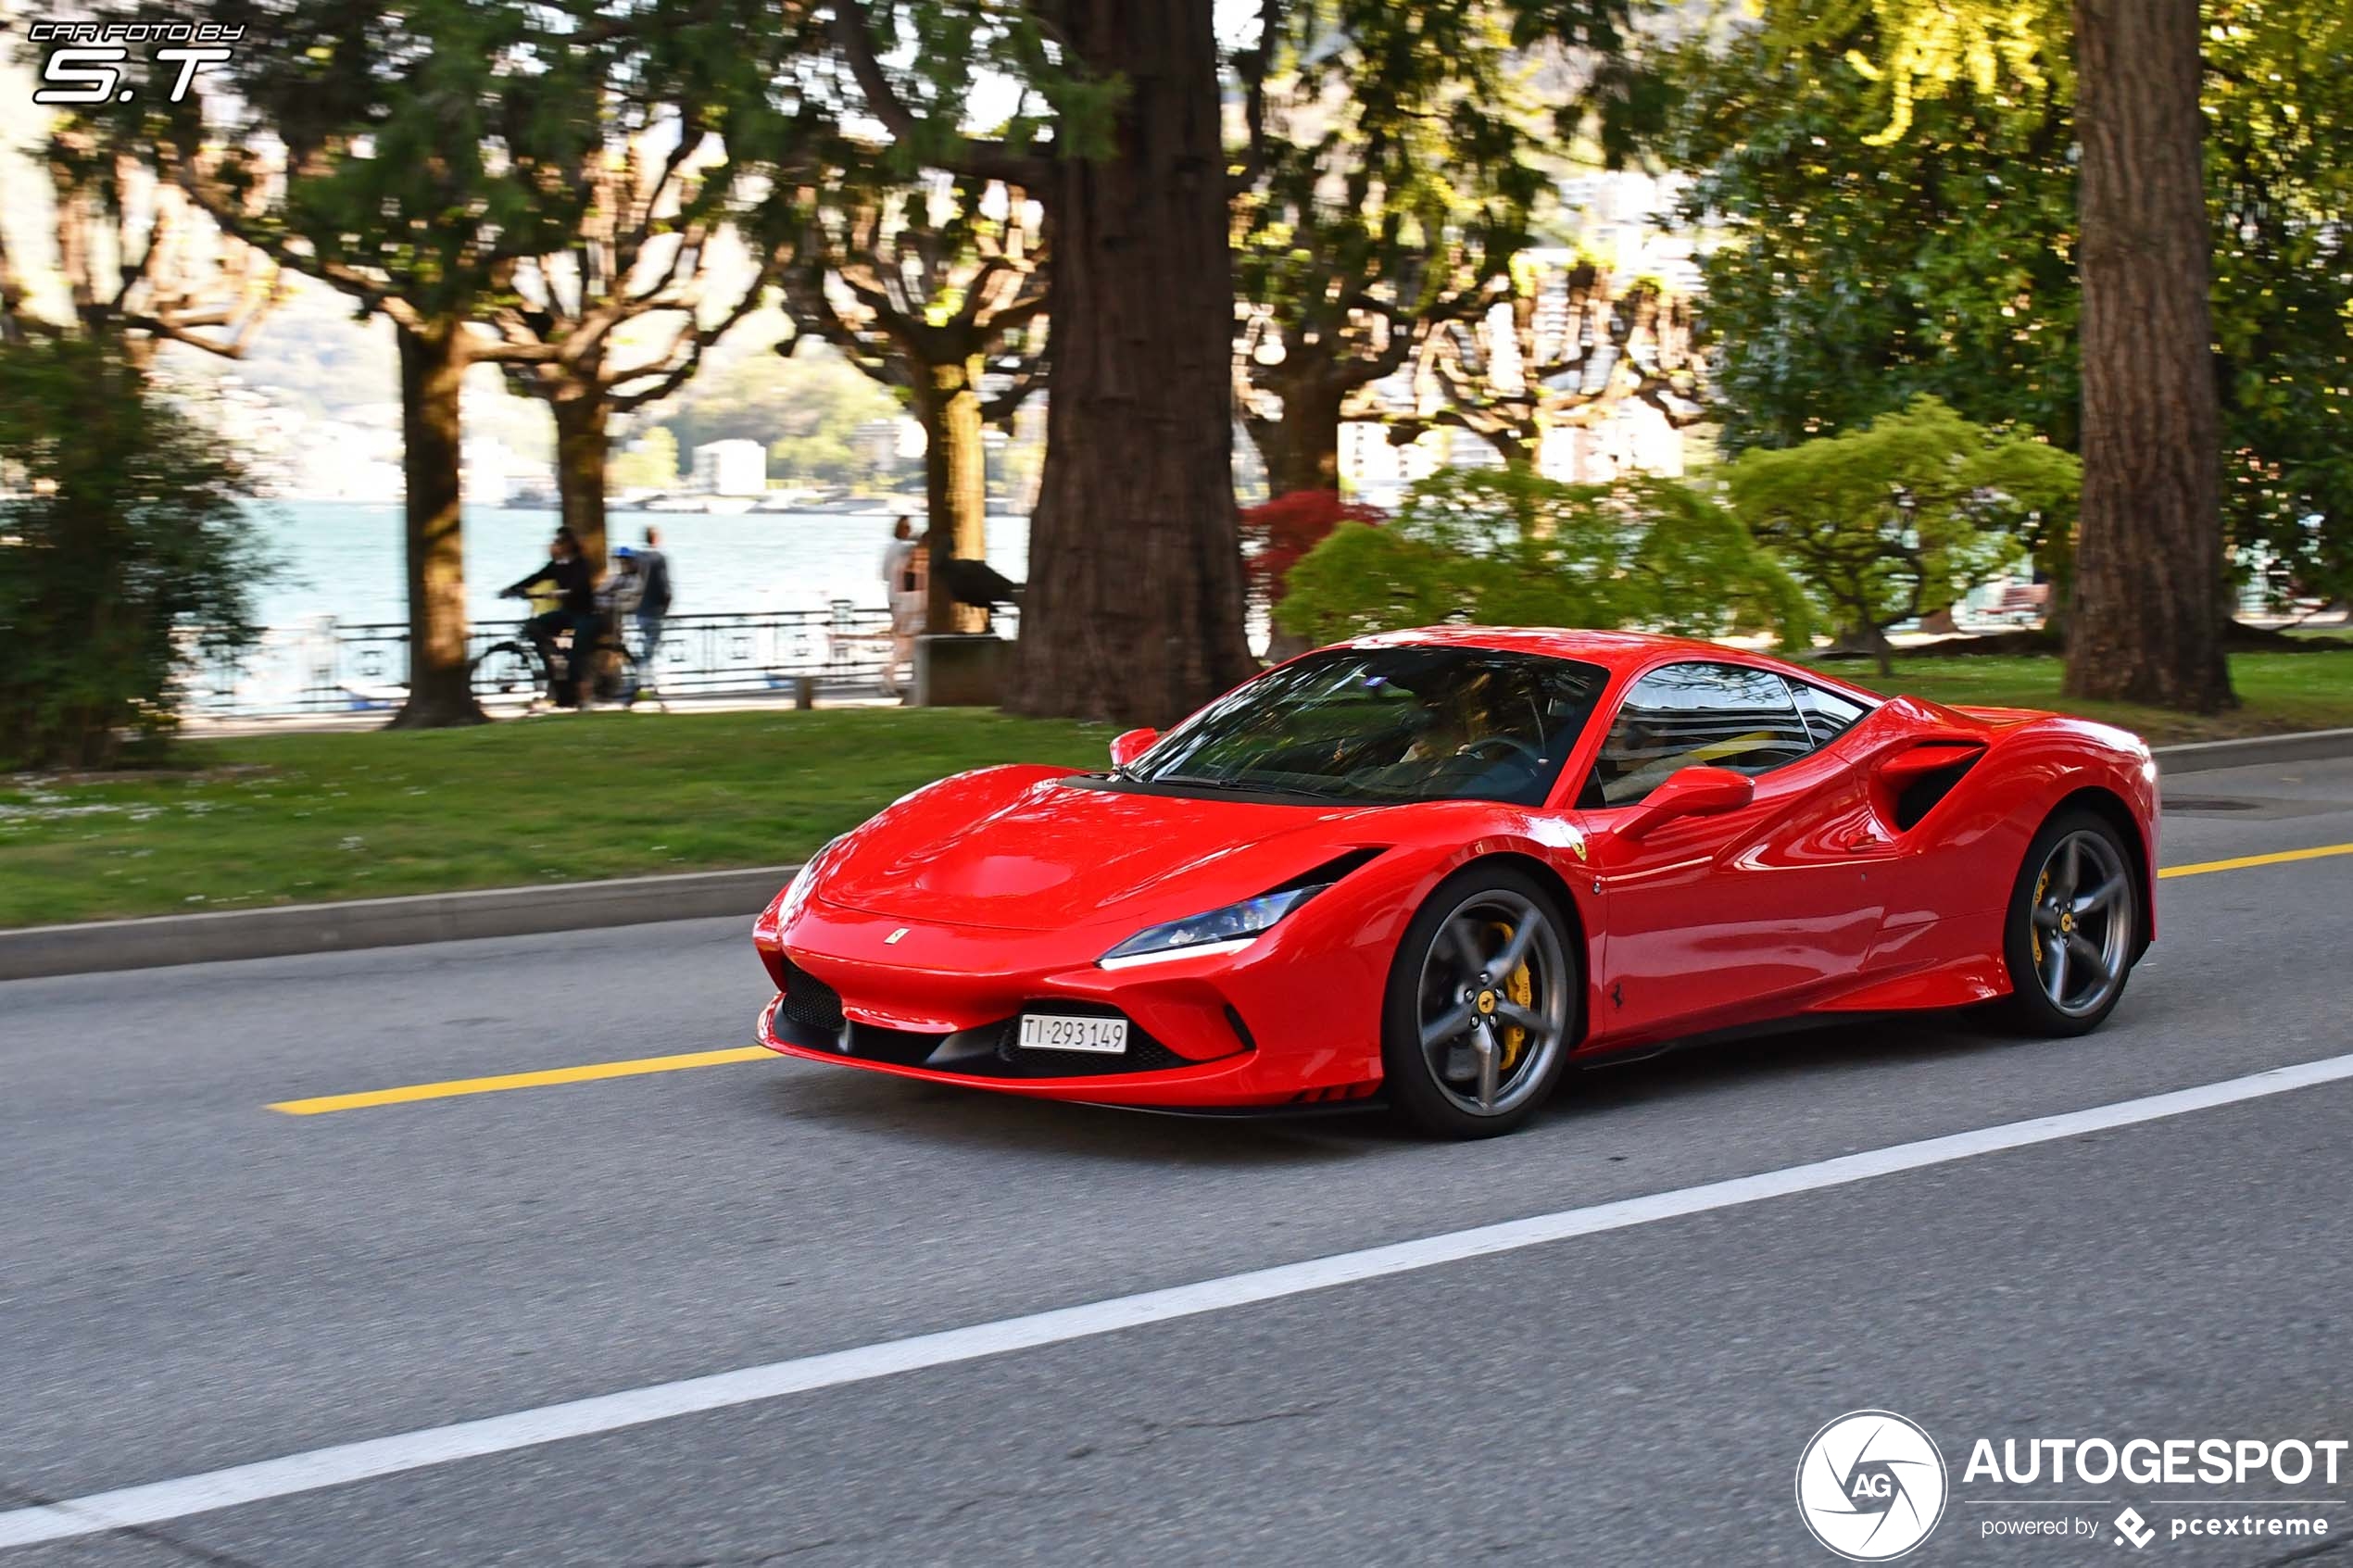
1928, 773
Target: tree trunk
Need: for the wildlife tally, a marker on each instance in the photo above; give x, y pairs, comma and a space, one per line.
1134, 611
1303, 452
2146, 624
583, 447
955, 488
433, 369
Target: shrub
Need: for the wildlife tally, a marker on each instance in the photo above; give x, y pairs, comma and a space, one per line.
124, 555
1278, 534
1506, 548
1903, 517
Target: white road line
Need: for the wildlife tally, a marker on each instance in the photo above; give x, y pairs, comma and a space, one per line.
347, 1462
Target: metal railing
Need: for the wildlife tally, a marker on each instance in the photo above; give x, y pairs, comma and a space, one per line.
330, 667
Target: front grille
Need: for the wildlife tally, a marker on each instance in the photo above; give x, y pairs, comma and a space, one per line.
809, 1002
811, 1016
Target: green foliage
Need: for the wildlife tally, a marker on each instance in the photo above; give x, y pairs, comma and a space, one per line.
124, 555
1855, 276
1901, 517
1508, 548
803, 409
1399, 159
651, 463
1928, 50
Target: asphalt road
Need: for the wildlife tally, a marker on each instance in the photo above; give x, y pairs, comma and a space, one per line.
191, 1281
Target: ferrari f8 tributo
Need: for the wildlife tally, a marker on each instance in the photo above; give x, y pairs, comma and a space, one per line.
1438, 867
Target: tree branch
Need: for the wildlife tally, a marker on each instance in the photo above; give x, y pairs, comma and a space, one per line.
980, 157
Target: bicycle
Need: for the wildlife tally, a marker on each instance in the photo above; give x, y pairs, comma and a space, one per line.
518, 663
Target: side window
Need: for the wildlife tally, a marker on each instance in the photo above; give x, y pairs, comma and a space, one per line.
1828, 715
1686, 715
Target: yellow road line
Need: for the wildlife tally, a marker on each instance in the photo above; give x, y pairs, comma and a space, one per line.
2281, 858
455, 1086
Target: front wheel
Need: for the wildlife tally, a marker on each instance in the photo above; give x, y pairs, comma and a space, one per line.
2072, 929
1482, 996
509, 667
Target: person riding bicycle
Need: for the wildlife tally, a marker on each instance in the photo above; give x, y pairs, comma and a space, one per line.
567, 571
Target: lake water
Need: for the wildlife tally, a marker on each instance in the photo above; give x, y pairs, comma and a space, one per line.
344, 558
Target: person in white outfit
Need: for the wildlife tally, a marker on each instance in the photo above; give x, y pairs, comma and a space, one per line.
903, 587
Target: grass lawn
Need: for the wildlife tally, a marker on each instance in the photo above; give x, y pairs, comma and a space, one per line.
2277, 691
295, 819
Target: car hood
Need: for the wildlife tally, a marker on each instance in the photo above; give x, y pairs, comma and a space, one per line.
1016, 848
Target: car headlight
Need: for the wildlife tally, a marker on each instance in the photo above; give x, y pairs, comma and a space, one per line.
1220, 931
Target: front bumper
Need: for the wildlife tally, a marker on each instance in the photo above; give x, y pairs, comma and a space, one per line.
975, 1059
942, 1005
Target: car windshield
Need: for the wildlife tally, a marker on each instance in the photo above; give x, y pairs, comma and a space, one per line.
1386, 725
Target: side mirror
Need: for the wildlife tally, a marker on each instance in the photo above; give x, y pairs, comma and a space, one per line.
1690, 792
1126, 749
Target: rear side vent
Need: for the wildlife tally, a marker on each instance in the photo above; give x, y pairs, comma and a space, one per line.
1925, 788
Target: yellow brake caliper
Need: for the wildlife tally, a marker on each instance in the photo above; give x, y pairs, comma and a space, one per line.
2034, 927
1520, 987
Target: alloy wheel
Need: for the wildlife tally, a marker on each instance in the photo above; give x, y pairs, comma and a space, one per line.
2082, 936
1494, 1002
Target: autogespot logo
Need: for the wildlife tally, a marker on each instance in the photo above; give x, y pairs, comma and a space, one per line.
1871, 1485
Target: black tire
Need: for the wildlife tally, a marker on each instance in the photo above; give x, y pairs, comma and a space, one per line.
1475, 1082
513, 665
2067, 928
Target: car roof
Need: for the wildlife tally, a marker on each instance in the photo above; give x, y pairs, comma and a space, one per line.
1617, 652
1613, 651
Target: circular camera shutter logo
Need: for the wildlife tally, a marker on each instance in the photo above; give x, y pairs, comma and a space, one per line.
1871, 1485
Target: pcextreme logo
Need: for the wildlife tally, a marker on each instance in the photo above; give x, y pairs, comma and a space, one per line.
1871, 1485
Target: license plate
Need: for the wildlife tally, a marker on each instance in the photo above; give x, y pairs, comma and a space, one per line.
1074, 1032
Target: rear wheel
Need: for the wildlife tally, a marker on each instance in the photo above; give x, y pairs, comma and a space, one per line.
1482, 995
2073, 926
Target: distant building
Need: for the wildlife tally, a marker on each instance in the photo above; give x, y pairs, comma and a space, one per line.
731, 467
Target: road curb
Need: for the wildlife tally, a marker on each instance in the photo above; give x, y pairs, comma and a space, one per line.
161, 940
2301, 746
158, 941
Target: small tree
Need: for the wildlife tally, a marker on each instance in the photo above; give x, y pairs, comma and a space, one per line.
124, 555
1508, 548
1900, 518
642, 259
1277, 535
1568, 346
941, 291
1389, 174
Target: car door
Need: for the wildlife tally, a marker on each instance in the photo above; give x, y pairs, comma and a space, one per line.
1718, 920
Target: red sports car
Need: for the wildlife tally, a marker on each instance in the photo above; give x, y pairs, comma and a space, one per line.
1437, 867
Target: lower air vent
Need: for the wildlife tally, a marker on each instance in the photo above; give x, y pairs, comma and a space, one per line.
809, 1002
